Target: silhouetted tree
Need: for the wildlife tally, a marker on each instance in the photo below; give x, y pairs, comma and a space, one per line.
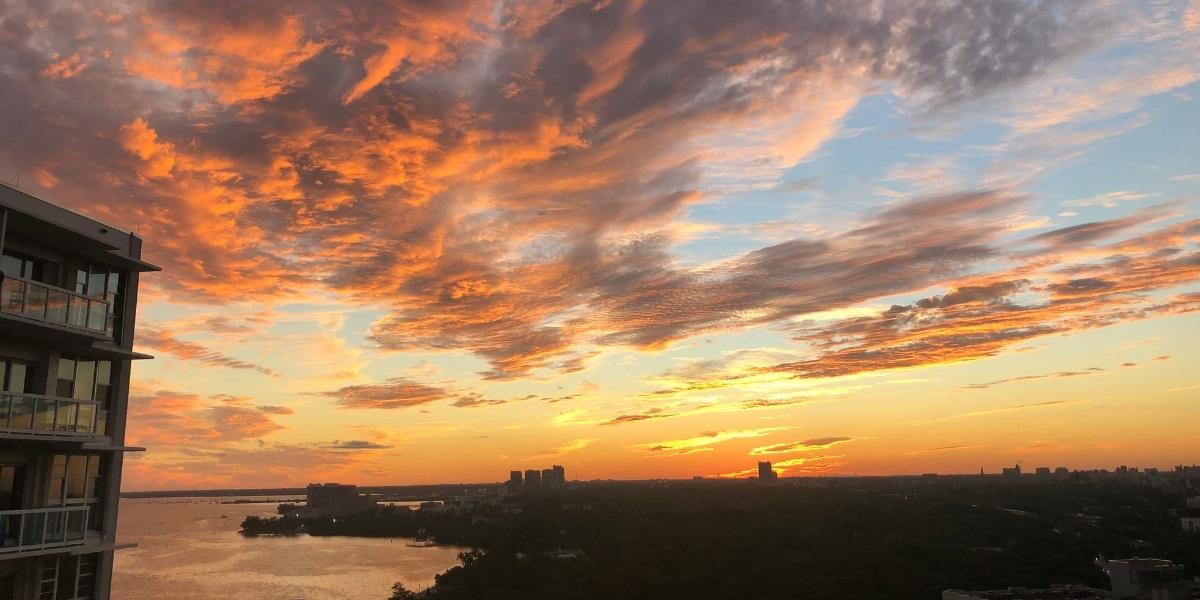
399, 592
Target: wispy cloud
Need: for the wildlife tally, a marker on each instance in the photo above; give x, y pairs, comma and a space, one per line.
802, 446
1001, 410
1056, 375
162, 341
566, 448
939, 449
808, 465
707, 439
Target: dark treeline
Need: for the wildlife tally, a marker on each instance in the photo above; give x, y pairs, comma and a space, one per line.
737, 541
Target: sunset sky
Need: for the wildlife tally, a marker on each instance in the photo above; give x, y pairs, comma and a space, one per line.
436, 241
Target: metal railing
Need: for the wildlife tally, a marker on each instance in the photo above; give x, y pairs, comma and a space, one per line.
51, 416
42, 528
48, 304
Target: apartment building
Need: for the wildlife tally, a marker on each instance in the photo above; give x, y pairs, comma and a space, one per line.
67, 303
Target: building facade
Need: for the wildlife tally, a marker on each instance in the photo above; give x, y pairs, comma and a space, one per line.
68, 297
1190, 524
1147, 579
765, 472
335, 500
533, 479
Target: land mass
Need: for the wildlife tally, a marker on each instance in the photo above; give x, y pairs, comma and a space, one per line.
869, 539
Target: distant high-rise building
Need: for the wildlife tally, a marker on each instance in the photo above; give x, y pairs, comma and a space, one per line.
765, 472
1014, 471
533, 478
68, 296
515, 481
1042, 471
552, 478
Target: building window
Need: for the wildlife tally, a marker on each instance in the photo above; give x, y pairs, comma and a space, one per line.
18, 265
77, 480
74, 478
49, 584
68, 577
8, 586
14, 376
15, 411
85, 576
88, 380
100, 282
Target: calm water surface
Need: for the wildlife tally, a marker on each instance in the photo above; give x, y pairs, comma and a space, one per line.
189, 549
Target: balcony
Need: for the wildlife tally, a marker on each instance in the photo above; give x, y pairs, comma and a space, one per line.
38, 529
46, 417
42, 303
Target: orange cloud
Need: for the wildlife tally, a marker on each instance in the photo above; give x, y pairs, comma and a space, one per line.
395, 393
68, 67
157, 339
235, 58
138, 138
166, 419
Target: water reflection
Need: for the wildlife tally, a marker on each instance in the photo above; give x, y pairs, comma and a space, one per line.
189, 548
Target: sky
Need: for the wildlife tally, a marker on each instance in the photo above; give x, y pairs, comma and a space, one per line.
435, 241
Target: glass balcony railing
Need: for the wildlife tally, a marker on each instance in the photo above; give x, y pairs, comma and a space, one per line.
42, 528
48, 304
50, 416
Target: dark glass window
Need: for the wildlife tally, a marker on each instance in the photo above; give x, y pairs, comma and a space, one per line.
49, 579
8, 586
77, 479
65, 388
97, 282
85, 576
18, 265
68, 577
14, 376
77, 467
79, 285
103, 380
58, 479
85, 379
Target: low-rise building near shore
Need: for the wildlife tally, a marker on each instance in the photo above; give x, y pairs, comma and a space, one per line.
335, 500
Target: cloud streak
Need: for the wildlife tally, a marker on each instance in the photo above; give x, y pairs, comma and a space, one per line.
801, 446
162, 341
706, 439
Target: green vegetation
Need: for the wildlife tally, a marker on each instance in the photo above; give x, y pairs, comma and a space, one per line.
706, 540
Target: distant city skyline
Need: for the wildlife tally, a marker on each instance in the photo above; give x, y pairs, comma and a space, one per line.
425, 243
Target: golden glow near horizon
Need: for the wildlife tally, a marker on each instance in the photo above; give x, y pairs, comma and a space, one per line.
417, 242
